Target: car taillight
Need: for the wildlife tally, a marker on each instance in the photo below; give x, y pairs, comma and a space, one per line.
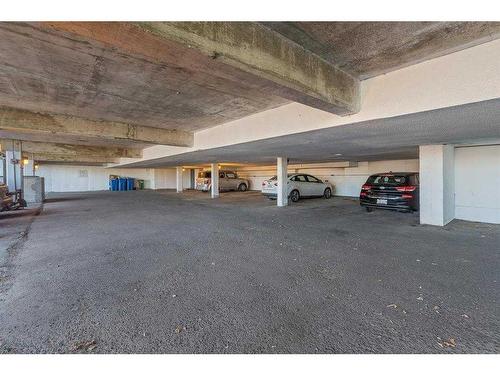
406, 196
366, 187
406, 188
362, 194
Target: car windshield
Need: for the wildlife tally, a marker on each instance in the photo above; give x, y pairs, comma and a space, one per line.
387, 179
205, 174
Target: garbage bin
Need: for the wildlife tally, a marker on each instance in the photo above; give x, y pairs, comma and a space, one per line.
113, 184
141, 184
122, 184
130, 183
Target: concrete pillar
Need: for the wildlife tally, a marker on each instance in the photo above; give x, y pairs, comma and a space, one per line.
2, 169
29, 169
437, 184
179, 177
282, 174
13, 168
215, 180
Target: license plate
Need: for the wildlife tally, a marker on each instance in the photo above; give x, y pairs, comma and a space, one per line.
381, 201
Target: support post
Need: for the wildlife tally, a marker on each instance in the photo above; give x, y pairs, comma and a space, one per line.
4, 169
14, 170
29, 169
215, 180
437, 184
178, 173
282, 174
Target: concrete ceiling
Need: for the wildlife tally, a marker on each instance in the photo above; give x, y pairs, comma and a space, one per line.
367, 49
119, 72
385, 139
50, 71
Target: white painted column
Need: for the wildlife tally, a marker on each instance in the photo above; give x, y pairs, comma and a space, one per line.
437, 184
179, 177
29, 169
215, 180
13, 168
282, 174
3, 169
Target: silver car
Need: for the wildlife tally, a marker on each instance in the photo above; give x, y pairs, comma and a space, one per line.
299, 185
228, 180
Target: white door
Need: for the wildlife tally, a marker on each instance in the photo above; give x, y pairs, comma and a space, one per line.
301, 184
316, 186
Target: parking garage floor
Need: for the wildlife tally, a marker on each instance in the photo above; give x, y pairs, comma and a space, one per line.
161, 272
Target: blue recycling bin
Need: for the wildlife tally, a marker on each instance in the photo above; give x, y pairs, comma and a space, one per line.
130, 183
122, 184
113, 184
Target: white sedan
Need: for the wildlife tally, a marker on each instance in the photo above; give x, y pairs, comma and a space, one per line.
299, 185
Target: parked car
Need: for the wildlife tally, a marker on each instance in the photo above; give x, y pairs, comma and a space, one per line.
393, 190
299, 185
228, 180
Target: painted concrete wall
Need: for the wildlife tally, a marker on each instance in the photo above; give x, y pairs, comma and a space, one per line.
66, 178
477, 183
346, 180
164, 178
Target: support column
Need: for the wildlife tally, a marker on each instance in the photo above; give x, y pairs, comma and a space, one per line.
437, 184
3, 168
13, 168
282, 174
29, 168
178, 174
215, 180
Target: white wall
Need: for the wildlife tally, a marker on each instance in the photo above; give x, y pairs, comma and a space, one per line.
66, 178
346, 180
164, 178
477, 183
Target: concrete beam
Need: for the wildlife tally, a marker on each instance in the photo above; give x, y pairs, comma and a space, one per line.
288, 70
23, 121
75, 150
248, 54
75, 159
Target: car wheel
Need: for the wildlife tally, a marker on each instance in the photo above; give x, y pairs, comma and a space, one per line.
242, 187
328, 193
294, 196
369, 209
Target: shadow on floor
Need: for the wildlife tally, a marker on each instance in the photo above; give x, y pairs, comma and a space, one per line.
18, 213
63, 199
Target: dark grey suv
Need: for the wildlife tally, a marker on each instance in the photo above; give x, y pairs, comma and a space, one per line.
393, 191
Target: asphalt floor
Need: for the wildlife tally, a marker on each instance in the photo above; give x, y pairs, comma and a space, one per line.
162, 272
